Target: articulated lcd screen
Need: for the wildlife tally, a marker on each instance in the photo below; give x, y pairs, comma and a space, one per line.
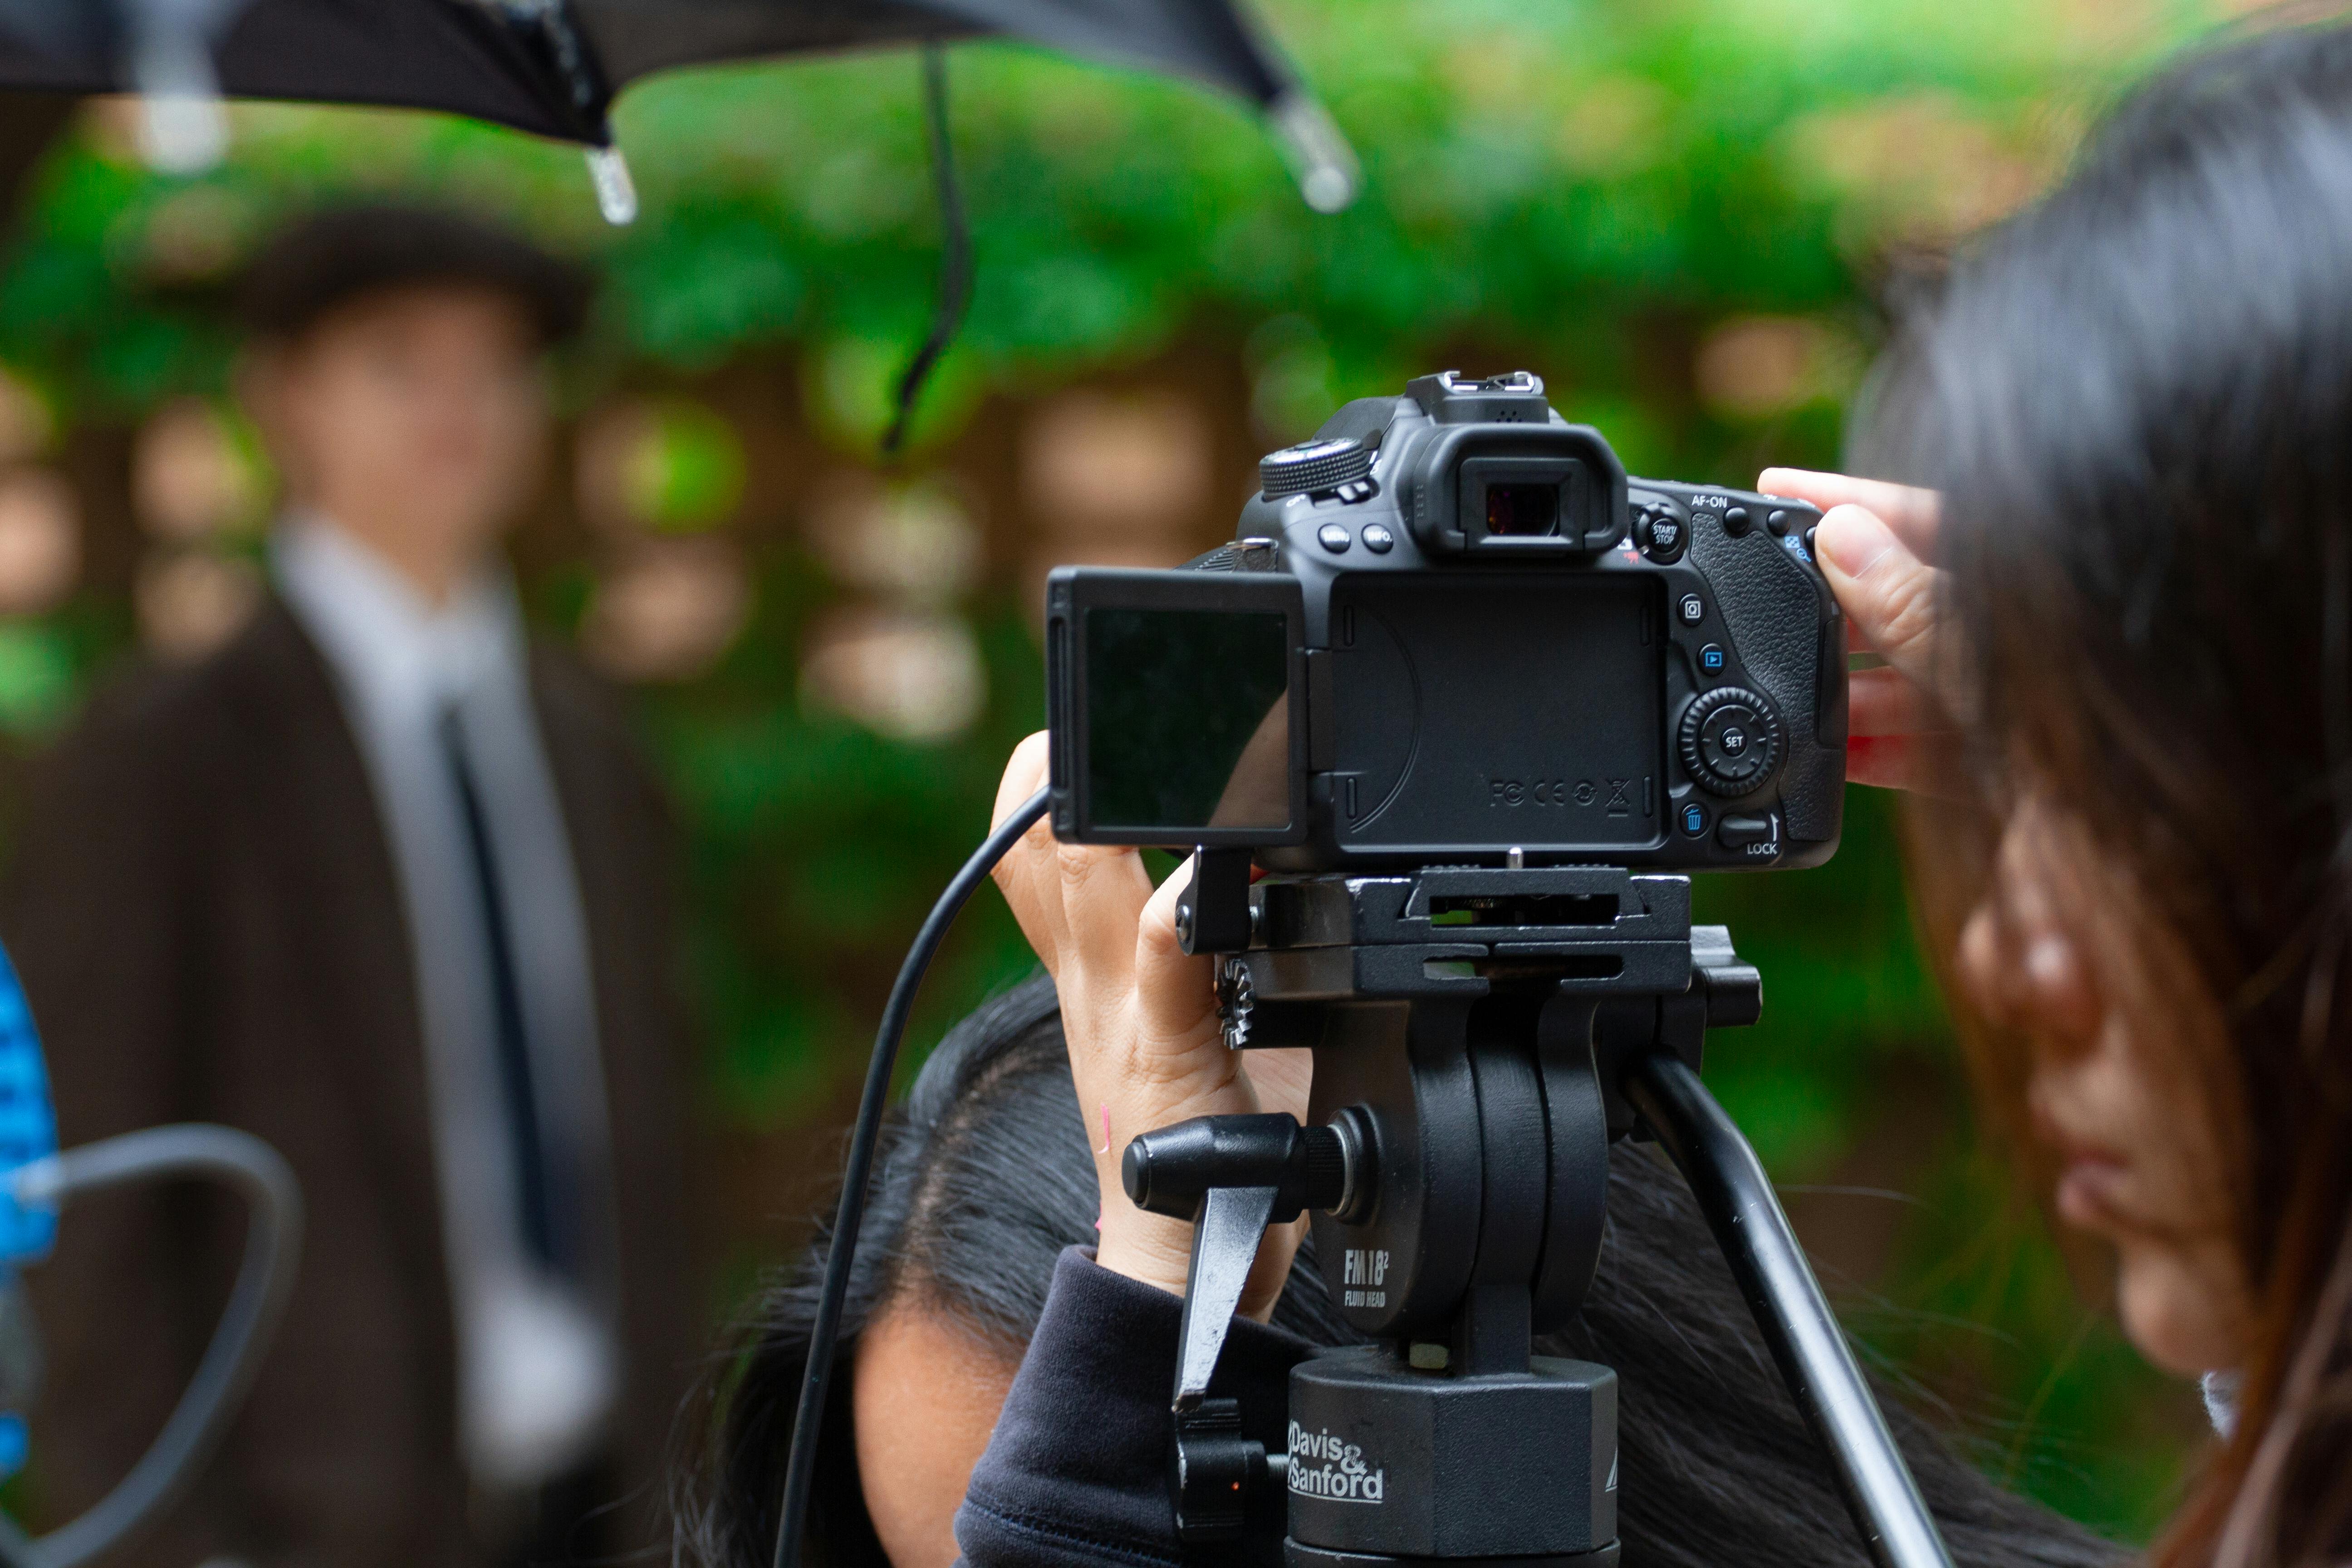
1188, 719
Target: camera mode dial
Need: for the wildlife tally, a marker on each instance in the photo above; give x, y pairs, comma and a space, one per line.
1730, 740
1313, 465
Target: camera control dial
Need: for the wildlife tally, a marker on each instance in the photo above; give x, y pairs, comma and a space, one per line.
1313, 465
1730, 740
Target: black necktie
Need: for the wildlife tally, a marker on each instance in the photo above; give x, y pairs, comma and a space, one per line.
535, 1191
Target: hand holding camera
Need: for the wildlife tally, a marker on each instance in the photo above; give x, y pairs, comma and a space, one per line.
1141, 1018
1875, 542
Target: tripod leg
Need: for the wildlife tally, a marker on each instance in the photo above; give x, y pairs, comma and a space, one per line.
1813, 1357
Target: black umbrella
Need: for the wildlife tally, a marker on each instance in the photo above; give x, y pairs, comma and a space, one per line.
554, 67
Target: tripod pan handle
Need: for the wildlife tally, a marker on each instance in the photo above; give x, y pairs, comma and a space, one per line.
1225, 1237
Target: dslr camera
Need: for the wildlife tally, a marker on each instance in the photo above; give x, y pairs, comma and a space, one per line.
1450, 630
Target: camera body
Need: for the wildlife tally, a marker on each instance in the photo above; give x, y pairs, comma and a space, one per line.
1451, 630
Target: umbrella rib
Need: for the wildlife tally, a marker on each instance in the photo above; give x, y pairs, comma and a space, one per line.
955, 256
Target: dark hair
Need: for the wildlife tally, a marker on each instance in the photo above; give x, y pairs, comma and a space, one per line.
987, 1177
2137, 400
335, 256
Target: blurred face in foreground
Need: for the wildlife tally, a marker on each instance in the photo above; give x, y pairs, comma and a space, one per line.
415, 419
2105, 1030
2114, 1020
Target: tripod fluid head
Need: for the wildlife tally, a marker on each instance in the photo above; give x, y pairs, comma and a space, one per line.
1481, 1035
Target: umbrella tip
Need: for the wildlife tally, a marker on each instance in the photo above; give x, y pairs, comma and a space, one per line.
1328, 175
183, 126
616, 194
183, 133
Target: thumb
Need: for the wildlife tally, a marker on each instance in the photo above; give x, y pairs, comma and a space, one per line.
1888, 592
1175, 993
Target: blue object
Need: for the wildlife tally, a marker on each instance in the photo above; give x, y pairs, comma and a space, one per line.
28, 1127
15, 1444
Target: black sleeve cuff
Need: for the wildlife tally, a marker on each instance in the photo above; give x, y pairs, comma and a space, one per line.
1077, 1471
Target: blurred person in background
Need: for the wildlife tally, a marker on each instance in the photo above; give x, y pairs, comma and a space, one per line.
387, 885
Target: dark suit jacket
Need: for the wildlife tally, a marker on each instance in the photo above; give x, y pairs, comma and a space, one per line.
204, 912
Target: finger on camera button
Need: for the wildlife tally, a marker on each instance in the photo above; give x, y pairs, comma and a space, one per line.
1888, 594
1913, 513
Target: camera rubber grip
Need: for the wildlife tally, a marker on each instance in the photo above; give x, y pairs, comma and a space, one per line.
1773, 607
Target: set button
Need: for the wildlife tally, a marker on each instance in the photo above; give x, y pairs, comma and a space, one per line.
1730, 741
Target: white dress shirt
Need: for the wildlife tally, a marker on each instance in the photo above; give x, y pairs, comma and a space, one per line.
539, 1366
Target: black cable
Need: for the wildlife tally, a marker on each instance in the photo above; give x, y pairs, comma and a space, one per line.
800, 1467
1814, 1359
264, 1282
955, 255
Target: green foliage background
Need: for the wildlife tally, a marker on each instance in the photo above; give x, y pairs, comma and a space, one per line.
1593, 189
